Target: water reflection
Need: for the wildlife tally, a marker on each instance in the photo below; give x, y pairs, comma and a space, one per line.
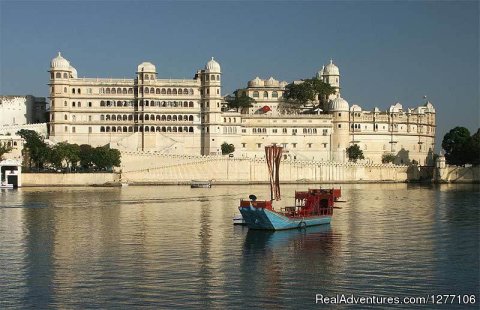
163, 247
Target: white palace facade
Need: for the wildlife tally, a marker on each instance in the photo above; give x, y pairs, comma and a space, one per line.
187, 116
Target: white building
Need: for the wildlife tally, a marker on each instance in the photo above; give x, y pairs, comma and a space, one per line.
184, 116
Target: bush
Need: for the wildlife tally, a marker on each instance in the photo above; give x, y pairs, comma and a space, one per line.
388, 158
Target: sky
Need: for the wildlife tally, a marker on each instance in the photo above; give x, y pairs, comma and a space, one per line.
387, 51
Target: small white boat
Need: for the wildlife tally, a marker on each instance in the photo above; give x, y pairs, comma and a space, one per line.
201, 184
238, 220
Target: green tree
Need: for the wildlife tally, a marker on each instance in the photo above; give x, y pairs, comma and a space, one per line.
105, 158
239, 101
227, 148
4, 149
86, 156
64, 154
308, 92
354, 153
472, 149
388, 158
456, 144
35, 150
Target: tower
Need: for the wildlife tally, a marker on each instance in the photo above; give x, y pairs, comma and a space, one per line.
210, 79
61, 73
331, 75
340, 138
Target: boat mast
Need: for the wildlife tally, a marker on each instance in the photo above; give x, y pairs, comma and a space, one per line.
273, 155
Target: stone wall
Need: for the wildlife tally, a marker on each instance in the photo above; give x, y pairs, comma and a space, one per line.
68, 179
160, 168
454, 174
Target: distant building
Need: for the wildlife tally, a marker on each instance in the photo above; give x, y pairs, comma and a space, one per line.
21, 110
185, 116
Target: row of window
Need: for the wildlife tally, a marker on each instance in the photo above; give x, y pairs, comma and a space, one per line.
285, 145
144, 129
148, 90
256, 94
147, 103
211, 77
306, 131
147, 117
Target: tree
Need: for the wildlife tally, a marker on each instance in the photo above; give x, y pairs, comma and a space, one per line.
239, 101
35, 150
65, 153
227, 148
104, 157
354, 153
388, 158
456, 144
86, 156
4, 149
308, 92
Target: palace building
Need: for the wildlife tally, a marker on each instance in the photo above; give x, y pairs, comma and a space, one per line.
188, 116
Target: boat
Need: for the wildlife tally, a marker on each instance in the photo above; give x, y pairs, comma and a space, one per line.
238, 220
201, 184
5, 185
312, 207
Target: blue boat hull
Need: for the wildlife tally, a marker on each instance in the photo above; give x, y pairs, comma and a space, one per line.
260, 218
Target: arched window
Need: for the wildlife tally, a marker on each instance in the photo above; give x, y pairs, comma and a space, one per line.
164, 129
146, 117
114, 118
152, 129
130, 129
174, 118
130, 117
124, 91
125, 129
73, 90
180, 91
125, 104
185, 91
130, 91
174, 91
102, 129
107, 91
169, 117
125, 117
157, 91
102, 103
107, 117
185, 104
185, 129
108, 129
158, 129
65, 117
169, 91
169, 129
190, 118
102, 117
255, 94
147, 129
265, 94
164, 91
274, 94
218, 77
152, 90
180, 129
147, 103
190, 104
164, 118
114, 129
58, 75
146, 90
119, 117
212, 77
185, 117
191, 91
174, 129
65, 76
113, 91
164, 104
190, 129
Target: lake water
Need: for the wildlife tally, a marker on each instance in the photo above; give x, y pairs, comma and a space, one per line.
172, 246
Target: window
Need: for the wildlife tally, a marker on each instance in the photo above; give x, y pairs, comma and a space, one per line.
73, 129
325, 132
309, 145
73, 90
274, 130
274, 94
294, 145
244, 145
339, 125
259, 145
89, 104
89, 118
265, 94
255, 94
284, 130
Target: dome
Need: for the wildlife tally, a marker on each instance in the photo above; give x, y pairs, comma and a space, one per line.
396, 108
146, 67
331, 69
356, 108
338, 104
429, 107
320, 73
74, 72
271, 82
256, 82
60, 63
212, 66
